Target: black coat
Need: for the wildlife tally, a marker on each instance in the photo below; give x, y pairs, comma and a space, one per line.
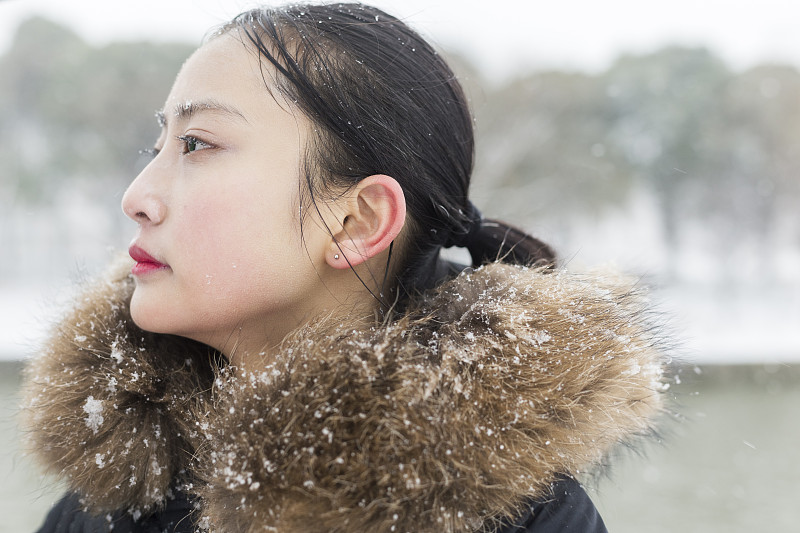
569, 510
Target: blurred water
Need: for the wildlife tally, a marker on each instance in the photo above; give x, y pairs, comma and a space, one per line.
730, 463
24, 495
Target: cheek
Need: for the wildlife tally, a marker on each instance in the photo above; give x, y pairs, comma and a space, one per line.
203, 231
228, 238
208, 246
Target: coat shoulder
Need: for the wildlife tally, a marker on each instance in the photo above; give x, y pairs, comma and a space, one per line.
69, 515
566, 508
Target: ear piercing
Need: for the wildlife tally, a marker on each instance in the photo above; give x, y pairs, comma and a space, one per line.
336, 256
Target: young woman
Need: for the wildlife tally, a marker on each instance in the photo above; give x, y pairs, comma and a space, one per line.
288, 351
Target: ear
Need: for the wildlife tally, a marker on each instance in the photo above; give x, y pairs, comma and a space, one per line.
375, 212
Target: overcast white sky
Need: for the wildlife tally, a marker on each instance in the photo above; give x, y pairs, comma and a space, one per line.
502, 36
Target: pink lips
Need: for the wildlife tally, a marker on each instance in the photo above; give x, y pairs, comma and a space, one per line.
145, 263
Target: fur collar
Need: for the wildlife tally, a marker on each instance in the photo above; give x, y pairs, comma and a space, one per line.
451, 415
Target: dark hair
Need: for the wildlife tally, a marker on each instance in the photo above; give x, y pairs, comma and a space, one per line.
383, 101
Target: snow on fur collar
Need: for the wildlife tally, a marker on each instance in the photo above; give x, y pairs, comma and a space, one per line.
444, 419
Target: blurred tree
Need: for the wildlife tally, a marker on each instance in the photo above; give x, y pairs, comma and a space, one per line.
714, 149
75, 112
547, 134
665, 105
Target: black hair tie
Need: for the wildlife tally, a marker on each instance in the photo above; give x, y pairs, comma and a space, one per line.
465, 236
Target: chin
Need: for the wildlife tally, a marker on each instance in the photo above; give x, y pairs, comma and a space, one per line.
148, 315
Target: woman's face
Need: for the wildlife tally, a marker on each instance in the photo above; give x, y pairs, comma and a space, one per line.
219, 252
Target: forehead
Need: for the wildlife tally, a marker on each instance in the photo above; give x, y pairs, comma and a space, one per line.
226, 71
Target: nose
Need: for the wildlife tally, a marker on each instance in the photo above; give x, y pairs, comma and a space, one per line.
144, 202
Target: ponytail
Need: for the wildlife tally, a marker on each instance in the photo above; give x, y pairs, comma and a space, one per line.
497, 241
492, 240
486, 240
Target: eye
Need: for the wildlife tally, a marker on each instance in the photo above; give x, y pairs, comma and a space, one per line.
192, 144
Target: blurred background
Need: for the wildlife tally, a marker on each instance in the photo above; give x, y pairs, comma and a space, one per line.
657, 137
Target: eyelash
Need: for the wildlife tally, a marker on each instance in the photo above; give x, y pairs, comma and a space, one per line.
186, 140
198, 144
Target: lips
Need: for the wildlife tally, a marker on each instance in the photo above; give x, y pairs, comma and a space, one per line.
145, 263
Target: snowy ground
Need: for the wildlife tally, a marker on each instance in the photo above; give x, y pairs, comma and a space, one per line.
748, 325
25, 314
716, 326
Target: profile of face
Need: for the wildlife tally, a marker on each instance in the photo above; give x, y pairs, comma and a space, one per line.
219, 248
221, 254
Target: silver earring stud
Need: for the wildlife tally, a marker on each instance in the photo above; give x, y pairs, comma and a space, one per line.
336, 256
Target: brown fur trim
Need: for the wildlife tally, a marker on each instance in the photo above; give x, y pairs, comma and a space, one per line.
106, 402
449, 417
441, 420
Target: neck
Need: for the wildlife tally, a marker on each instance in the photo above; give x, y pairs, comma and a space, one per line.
252, 346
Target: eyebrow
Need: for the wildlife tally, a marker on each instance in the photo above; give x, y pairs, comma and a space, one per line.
186, 110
